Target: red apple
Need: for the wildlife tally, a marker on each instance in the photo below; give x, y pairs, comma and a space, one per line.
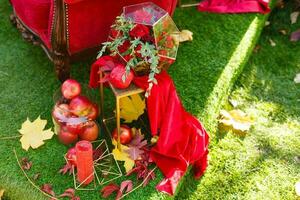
61, 112
71, 156
80, 106
116, 77
66, 137
125, 134
90, 132
70, 89
94, 112
75, 128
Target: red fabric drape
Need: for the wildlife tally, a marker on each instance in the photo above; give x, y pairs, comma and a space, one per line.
182, 138
234, 6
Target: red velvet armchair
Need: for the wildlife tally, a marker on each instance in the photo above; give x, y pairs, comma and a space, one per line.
70, 30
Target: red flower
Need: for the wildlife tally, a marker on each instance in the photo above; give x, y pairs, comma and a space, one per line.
166, 60
169, 43
124, 47
148, 38
139, 31
127, 57
143, 16
137, 51
114, 33
163, 52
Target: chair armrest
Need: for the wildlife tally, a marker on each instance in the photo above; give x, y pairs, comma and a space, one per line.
70, 2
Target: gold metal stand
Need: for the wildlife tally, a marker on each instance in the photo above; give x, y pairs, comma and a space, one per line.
118, 93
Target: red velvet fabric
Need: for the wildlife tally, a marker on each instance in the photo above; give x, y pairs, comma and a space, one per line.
235, 6
35, 15
182, 139
89, 21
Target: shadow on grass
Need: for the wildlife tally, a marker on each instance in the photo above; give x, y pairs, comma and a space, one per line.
27, 88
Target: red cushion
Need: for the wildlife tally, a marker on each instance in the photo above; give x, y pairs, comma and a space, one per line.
34, 14
90, 20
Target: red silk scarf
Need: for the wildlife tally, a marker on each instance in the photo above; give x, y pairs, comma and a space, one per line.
234, 6
182, 139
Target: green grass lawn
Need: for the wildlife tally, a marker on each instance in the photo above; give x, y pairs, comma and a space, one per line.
265, 163
204, 72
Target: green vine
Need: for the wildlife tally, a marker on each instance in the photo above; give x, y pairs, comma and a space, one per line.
148, 52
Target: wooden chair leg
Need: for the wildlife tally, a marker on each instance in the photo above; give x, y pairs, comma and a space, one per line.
59, 39
62, 67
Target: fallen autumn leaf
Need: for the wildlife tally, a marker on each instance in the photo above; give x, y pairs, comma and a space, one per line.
297, 78
297, 188
295, 36
1, 193
272, 43
294, 17
33, 133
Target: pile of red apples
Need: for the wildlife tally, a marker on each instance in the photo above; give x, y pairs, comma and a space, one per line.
75, 115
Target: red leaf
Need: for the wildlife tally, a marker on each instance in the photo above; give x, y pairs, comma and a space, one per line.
36, 176
119, 195
142, 171
295, 36
134, 152
134, 170
126, 185
149, 177
75, 198
26, 164
109, 189
66, 168
48, 189
70, 192
136, 146
97, 153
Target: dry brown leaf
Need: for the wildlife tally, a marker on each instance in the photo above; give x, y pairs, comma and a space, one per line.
294, 17
283, 31
297, 188
235, 120
36, 176
267, 23
297, 78
280, 4
256, 48
154, 139
184, 35
233, 102
1, 193
26, 164
272, 43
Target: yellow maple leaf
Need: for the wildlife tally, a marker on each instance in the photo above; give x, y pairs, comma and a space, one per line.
182, 36
1, 193
122, 156
131, 107
33, 133
235, 120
